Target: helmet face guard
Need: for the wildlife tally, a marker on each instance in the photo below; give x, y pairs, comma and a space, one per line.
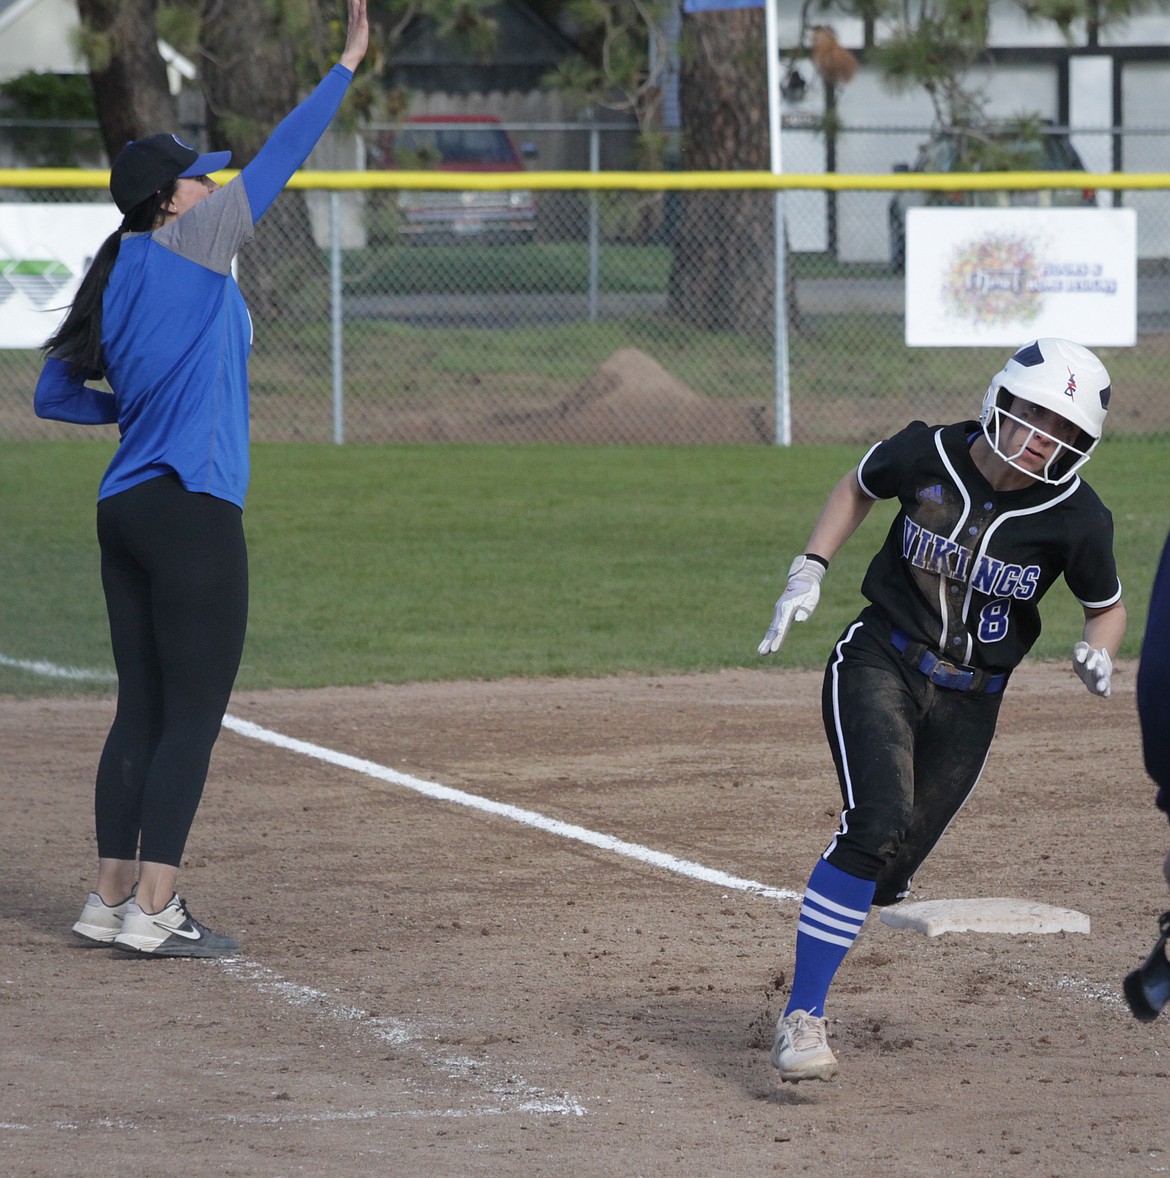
1062, 377
1066, 459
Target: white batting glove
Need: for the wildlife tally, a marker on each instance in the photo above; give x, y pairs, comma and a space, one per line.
796, 603
1094, 668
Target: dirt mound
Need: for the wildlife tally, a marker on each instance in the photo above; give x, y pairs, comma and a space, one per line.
632, 398
634, 383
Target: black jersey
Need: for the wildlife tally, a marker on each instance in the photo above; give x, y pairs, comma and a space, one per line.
964, 567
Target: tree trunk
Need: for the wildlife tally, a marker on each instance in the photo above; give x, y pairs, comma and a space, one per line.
131, 92
722, 272
249, 75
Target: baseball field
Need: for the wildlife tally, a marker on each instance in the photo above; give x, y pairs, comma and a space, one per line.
512, 825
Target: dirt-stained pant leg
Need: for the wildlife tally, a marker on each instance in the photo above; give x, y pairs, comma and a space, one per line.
953, 740
908, 754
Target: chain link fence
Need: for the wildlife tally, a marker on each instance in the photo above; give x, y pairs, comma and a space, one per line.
591, 313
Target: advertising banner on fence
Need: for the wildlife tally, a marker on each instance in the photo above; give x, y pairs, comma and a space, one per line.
44, 253
997, 277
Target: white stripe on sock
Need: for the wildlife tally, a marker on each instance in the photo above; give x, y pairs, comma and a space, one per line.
821, 935
833, 906
849, 926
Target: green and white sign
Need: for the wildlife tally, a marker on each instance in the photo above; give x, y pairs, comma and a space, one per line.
45, 251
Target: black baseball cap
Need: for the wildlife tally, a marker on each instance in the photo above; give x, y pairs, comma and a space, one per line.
143, 166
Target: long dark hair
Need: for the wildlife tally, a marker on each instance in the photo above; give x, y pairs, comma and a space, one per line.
78, 341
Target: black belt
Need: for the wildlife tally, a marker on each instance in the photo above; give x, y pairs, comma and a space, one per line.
945, 674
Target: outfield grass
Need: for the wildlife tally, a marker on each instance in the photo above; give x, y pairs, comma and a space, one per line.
542, 267
400, 563
554, 267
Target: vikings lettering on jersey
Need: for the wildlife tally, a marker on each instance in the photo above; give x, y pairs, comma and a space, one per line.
997, 579
922, 548
936, 554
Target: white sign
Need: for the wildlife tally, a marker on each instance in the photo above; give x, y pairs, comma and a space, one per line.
45, 251
999, 277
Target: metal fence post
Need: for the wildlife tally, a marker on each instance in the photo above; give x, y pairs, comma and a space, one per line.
337, 317
594, 248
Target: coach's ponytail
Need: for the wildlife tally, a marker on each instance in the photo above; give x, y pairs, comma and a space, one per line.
78, 341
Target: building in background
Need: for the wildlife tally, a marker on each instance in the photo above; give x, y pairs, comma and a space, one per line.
1110, 95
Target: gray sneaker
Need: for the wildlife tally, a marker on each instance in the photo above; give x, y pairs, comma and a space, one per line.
173, 932
100, 922
801, 1050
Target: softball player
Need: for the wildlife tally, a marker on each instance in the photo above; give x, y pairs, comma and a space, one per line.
160, 317
1153, 688
990, 514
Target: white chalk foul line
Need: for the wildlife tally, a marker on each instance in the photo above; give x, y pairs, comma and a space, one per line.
122, 1124
581, 834
510, 1093
52, 671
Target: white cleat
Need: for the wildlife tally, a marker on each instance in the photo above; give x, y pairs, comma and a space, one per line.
173, 932
801, 1050
100, 922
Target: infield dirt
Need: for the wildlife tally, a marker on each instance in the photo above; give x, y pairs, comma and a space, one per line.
425, 988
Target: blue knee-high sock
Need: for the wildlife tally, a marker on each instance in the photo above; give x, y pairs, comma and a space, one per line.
834, 909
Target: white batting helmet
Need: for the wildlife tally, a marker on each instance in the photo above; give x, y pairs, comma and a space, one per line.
1060, 376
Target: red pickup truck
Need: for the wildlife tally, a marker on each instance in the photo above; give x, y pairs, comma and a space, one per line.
457, 143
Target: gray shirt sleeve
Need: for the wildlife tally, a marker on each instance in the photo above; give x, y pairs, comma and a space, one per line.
212, 231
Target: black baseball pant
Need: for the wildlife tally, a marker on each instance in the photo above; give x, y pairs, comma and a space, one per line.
908, 754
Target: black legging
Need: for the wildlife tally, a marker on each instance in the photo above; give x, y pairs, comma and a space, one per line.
175, 575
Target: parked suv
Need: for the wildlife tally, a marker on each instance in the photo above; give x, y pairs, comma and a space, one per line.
457, 143
1023, 146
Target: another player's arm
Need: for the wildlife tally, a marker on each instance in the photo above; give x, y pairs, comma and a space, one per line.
1153, 689
841, 516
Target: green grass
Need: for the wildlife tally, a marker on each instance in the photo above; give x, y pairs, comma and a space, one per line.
540, 267
401, 563
466, 267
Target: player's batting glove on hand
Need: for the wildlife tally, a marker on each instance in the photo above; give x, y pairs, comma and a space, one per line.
1094, 667
796, 603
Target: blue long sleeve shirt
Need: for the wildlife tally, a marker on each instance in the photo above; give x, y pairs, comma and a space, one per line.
176, 333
